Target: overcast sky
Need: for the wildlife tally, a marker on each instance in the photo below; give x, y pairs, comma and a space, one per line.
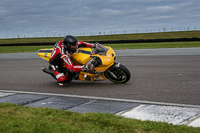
86, 17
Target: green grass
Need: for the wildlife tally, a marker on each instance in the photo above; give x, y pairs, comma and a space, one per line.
21, 49
154, 45
160, 35
18, 49
21, 119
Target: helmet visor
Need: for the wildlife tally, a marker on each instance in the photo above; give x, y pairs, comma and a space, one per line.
72, 48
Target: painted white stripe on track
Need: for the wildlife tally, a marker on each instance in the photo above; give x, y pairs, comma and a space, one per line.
104, 98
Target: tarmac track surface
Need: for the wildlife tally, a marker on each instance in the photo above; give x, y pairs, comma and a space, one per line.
163, 78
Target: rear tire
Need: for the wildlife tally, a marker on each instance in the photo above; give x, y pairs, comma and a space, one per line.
118, 74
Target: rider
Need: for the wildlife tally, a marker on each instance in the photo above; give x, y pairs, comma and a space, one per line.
61, 55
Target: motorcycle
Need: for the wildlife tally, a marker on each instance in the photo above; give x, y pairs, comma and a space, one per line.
103, 59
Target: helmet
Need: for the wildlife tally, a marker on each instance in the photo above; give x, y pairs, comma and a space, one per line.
70, 43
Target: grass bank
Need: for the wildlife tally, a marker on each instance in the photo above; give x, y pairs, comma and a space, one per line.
160, 35
19, 49
23, 119
155, 45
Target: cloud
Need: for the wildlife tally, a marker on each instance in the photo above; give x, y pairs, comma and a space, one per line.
75, 17
111, 12
161, 8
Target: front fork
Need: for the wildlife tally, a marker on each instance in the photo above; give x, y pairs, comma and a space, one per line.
115, 65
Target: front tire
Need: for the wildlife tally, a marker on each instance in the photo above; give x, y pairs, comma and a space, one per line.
118, 74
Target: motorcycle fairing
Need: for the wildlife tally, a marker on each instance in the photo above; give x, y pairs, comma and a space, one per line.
45, 53
106, 57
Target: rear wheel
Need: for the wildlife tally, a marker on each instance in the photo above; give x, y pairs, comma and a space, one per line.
118, 74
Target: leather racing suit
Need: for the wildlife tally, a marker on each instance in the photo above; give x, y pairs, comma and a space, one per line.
60, 56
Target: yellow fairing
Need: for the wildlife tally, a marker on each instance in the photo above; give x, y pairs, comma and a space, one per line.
107, 60
82, 56
85, 54
91, 77
45, 53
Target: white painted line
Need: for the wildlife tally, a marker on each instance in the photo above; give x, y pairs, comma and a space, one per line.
104, 98
195, 123
6, 94
169, 114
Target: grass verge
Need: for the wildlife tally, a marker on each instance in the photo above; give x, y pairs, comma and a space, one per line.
23, 119
155, 45
19, 49
160, 35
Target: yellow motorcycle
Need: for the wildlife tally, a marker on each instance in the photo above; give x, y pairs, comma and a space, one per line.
103, 59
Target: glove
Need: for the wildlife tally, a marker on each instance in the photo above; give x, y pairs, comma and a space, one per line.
97, 45
89, 66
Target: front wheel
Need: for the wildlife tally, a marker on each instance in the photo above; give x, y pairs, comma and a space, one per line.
118, 74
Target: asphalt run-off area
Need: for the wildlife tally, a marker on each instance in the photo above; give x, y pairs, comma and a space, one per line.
164, 86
